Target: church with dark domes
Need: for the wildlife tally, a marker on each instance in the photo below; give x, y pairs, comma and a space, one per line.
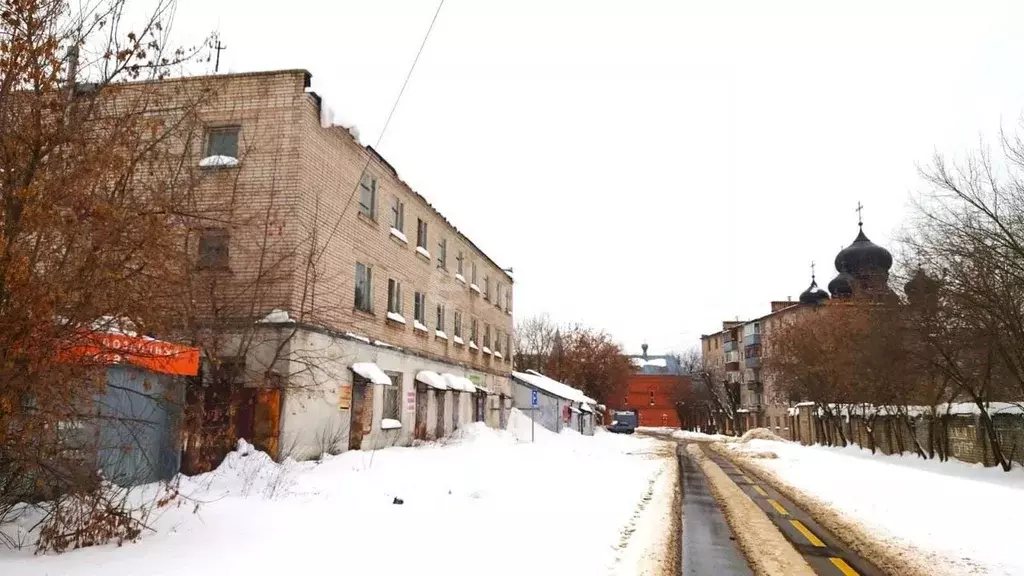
862, 273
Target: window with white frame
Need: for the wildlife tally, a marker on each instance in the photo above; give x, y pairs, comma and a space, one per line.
364, 287
392, 405
420, 311
421, 233
368, 195
394, 296
457, 320
440, 317
398, 214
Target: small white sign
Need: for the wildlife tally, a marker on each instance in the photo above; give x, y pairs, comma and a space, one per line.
410, 401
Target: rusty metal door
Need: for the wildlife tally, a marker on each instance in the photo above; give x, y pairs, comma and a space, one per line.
362, 412
439, 427
420, 432
266, 420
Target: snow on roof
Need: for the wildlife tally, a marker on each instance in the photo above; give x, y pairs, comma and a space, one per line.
459, 383
586, 408
390, 424
554, 387
357, 337
217, 161
742, 411
432, 379
371, 372
276, 316
799, 404
656, 362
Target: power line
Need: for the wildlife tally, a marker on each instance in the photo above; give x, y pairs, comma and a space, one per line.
380, 137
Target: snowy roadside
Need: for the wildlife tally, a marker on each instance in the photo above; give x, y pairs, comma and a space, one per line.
651, 541
925, 517
484, 501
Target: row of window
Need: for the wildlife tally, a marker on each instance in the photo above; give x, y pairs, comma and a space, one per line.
494, 341
368, 195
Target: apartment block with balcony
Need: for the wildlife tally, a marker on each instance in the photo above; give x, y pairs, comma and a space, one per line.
394, 324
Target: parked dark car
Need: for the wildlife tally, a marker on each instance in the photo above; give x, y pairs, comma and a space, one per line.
623, 423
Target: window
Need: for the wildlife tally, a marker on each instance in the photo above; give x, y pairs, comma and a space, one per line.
497, 340
497, 296
508, 300
213, 248
442, 253
651, 393
420, 310
222, 142
421, 233
472, 330
487, 288
394, 296
393, 397
368, 195
487, 335
459, 260
458, 324
440, 317
508, 345
398, 215
472, 279
364, 287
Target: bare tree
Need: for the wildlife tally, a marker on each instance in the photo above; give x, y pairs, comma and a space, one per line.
712, 389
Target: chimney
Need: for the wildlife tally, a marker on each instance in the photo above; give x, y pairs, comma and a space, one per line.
644, 348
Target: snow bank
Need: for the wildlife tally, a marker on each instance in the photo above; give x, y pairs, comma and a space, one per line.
701, 437
924, 513
565, 502
759, 434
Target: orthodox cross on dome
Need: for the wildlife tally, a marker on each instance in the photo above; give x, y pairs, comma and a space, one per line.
812, 270
860, 214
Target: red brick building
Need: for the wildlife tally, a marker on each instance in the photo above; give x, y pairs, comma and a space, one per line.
654, 390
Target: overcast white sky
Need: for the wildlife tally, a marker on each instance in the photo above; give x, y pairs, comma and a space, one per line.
651, 168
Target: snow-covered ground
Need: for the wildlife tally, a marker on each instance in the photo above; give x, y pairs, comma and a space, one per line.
483, 502
965, 516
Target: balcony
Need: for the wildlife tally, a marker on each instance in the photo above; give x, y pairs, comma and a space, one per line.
752, 362
755, 385
732, 366
730, 346
752, 339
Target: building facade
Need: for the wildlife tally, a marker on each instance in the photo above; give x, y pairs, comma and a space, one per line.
353, 268
559, 406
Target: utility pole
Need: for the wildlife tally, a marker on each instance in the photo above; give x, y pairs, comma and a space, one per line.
218, 47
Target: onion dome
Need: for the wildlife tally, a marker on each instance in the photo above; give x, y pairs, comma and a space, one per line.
863, 258
920, 287
813, 294
842, 285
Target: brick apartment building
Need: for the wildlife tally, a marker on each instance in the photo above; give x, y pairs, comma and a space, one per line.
382, 322
734, 353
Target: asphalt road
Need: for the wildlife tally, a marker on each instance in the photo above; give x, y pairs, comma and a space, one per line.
826, 554
708, 544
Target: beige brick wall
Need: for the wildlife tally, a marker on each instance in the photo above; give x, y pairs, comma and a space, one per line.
294, 209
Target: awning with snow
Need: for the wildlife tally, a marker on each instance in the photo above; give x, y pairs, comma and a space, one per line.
574, 410
586, 408
459, 383
432, 379
371, 372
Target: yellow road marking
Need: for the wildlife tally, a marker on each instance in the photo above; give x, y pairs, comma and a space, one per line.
749, 481
778, 507
844, 567
807, 533
760, 490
